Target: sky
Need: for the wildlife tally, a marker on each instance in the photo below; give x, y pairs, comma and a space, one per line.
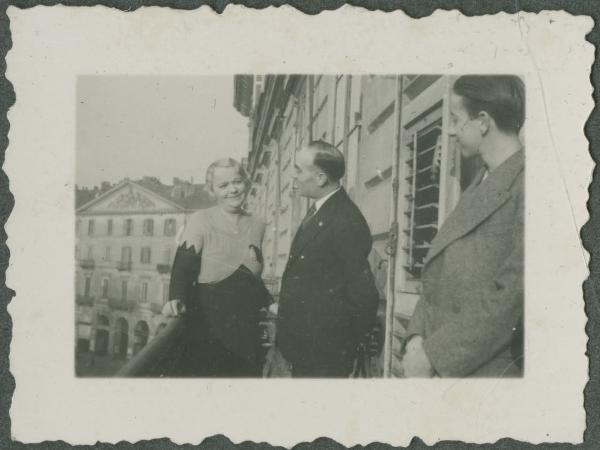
161, 126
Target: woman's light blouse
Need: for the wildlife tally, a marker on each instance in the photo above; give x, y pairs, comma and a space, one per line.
223, 246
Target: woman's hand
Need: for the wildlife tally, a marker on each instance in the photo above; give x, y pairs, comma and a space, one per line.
173, 308
253, 260
274, 308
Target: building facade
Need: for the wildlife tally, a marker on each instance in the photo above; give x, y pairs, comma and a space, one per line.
125, 245
403, 171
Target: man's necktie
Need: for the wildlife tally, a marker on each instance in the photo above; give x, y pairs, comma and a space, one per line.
309, 215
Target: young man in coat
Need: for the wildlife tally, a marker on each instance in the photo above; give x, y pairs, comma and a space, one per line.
328, 299
468, 321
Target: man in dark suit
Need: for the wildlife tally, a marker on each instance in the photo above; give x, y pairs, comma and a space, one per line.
328, 300
468, 321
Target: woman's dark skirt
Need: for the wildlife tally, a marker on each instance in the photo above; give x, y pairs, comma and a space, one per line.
220, 332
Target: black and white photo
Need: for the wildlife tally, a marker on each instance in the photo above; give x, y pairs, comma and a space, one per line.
276, 227
372, 226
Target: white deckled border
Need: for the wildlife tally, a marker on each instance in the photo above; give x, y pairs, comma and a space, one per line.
51, 46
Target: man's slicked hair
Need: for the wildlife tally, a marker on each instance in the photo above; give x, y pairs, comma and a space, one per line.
328, 159
501, 96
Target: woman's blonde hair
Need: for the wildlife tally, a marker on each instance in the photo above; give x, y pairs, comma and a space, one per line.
225, 162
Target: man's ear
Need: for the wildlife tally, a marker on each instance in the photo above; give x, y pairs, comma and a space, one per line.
485, 122
322, 179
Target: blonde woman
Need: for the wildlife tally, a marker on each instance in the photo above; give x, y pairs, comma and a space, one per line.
216, 286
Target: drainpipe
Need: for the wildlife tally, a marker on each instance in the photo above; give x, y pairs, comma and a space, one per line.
266, 204
311, 97
277, 206
336, 81
392, 244
311, 112
347, 112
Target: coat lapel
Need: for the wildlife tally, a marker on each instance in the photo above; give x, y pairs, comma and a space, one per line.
477, 203
321, 220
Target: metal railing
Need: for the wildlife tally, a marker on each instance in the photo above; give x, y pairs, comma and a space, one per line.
123, 305
124, 265
84, 300
163, 268
87, 263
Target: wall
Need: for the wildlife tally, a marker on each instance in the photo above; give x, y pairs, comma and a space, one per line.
358, 115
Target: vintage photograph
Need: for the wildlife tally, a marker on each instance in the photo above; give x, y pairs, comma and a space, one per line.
255, 217
301, 225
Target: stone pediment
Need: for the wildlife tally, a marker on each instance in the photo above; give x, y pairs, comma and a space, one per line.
130, 198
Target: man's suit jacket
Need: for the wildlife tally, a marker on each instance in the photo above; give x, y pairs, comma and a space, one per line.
328, 298
471, 307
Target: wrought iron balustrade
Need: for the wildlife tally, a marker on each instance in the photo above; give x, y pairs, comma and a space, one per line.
124, 265
163, 268
84, 300
122, 305
87, 263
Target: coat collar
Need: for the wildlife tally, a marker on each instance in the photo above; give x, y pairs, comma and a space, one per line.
478, 202
320, 221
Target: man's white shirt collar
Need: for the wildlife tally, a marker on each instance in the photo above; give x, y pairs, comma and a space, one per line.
319, 203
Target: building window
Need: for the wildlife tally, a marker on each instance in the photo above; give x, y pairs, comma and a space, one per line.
167, 256
105, 288
107, 254
126, 254
145, 257
170, 225
128, 227
88, 283
76, 252
148, 227
77, 226
124, 290
109, 227
91, 227
144, 291
90, 252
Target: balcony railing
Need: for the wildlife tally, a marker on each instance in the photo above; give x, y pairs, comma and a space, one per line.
163, 268
153, 359
84, 300
121, 305
124, 265
87, 263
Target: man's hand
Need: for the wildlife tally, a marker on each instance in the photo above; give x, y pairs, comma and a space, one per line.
416, 364
274, 308
173, 308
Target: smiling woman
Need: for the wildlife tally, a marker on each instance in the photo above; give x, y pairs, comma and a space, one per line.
227, 181
216, 287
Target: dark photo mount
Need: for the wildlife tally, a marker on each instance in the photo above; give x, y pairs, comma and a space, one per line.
414, 8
